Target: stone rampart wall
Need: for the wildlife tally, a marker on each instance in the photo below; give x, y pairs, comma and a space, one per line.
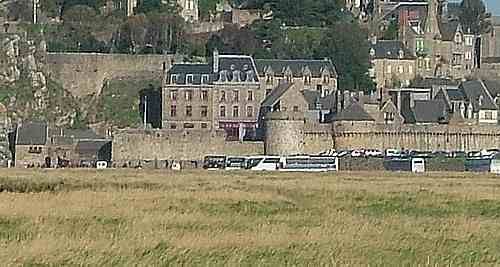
85, 73
135, 145
417, 137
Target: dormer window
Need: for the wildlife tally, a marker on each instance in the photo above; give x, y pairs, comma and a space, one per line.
458, 38
173, 78
205, 78
269, 79
469, 40
401, 54
307, 79
189, 79
372, 52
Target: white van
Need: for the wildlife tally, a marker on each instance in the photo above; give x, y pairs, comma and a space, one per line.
495, 166
101, 165
418, 165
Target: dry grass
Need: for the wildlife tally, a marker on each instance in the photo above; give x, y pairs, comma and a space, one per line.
151, 218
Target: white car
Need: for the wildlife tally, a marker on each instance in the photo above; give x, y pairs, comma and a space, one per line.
392, 153
374, 153
357, 153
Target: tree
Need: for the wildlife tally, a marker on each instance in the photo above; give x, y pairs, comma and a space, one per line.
20, 10
347, 45
473, 16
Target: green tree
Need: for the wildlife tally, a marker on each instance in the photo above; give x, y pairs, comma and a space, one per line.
347, 45
473, 16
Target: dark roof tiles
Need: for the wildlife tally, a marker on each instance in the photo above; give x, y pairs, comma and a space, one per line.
296, 66
32, 133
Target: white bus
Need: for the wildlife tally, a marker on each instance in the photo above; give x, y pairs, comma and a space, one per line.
309, 164
235, 163
263, 163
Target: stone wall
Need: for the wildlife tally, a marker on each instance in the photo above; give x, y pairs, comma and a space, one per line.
417, 137
139, 145
85, 73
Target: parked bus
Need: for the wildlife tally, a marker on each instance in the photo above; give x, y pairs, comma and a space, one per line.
263, 163
416, 165
236, 163
309, 164
214, 162
478, 164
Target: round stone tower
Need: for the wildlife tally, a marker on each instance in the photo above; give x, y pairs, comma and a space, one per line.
284, 133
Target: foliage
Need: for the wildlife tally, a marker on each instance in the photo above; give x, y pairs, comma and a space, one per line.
392, 31
473, 16
20, 10
347, 45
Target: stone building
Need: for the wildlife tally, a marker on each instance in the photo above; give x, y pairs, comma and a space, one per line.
223, 94
189, 10
391, 64
38, 144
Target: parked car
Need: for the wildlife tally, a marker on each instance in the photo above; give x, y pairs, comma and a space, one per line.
341, 153
358, 153
374, 153
392, 153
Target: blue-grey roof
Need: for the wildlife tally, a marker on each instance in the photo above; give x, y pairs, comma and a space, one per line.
354, 112
455, 94
430, 111
32, 133
389, 49
314, 97
278, 66
275, 95
478, 96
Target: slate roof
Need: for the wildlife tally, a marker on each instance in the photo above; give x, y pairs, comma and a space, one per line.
81, 134
32, 133
354, 112
448, 30
473, 90
493, 87
429, 111
314, 97
455, 94
279, 66
90, 146
429, 82
491, 60
389, 49
226, 62
276, 94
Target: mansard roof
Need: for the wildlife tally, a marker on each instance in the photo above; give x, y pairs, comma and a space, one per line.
389, 49
493, 87
228, 64
297, 66
455, 94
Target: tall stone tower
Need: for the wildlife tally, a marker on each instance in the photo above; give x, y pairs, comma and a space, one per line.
284, 133
190, 10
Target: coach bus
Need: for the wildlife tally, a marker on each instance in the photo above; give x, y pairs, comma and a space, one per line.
214, 162
309, 164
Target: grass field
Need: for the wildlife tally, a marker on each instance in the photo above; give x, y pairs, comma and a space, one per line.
151, 218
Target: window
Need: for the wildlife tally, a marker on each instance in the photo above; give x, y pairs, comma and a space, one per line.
204, 79
488, 115
307, 80
236, 111
173, 111
295, 108
204, 95
401, 69
269, 79
189, 95
250, 95
236, 95
468, 55
389, 69
458, 38
326, 79
188, 126
204, 125
189, 79
469, 40
189, 111
204, 111
35, 150
428, 63
222, 111
173, 78
388, 117
410, 69
173, 95
173, 126
222, 96
268, 91
250, 111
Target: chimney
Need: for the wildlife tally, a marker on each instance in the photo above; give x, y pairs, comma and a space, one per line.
216, 60
339, 100
347, 98
373, 39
